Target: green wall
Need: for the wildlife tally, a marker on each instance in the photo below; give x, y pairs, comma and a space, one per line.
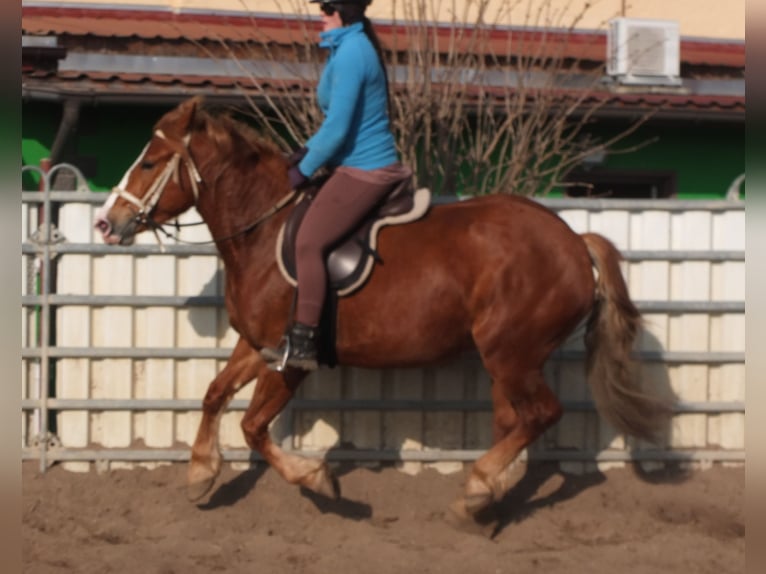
107, 140
706, 156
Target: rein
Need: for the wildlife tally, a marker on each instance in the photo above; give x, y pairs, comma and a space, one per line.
273, 210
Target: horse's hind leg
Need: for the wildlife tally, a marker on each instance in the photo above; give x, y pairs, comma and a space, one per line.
205, 464
523, 408
272, 393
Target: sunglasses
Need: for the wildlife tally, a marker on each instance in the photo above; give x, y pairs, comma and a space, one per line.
327, 8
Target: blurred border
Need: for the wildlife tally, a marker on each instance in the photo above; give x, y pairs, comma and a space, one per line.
10, 227
755, 473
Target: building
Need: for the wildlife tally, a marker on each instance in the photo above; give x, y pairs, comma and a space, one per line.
97, 75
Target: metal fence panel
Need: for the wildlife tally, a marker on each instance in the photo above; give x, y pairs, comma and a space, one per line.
120, 344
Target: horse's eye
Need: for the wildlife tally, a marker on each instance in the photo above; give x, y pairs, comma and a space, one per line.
147, 165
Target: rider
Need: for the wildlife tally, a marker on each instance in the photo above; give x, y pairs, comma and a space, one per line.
355, 140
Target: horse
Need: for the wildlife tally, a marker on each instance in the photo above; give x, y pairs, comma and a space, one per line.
499, 275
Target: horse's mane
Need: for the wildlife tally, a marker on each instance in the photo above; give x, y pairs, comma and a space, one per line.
240, 139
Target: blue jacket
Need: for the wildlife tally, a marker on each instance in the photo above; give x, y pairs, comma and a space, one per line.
352, 95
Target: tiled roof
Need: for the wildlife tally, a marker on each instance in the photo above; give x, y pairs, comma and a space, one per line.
183, 76
169, 25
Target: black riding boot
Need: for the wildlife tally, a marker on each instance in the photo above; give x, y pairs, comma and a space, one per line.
298, 349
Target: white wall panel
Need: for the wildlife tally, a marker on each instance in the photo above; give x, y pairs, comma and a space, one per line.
74, 325
727, 430
650, 230
403, 430
729, 230
571, 430
728, 281
690, 281
614, 225
691, 230
444, 430
112, 327
363, 429
478, 425
649, 281
111, 379
689, 333
577, 219
728, 333
317, 430
193, 378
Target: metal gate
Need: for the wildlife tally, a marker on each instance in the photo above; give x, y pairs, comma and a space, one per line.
435, 415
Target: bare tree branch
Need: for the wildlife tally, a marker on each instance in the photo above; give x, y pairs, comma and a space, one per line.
476, 109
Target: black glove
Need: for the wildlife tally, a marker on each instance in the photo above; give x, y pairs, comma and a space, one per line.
297, 179
295, 157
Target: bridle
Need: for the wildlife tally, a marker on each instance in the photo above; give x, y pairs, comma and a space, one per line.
148, 202
150, 199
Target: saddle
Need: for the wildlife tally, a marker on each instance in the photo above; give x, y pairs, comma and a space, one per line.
351, 261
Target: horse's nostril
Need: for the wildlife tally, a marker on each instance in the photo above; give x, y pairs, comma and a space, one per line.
103, 226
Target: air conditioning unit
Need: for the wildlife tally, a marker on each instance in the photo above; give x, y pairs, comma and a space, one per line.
642, 51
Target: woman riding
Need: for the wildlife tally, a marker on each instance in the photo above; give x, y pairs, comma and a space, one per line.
354, 140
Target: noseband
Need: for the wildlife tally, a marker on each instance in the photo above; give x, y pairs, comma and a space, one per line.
147, 203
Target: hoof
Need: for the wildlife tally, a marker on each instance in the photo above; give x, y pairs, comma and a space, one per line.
461, 519
478, 496
476, 503
199, 480
323, 482
196, 490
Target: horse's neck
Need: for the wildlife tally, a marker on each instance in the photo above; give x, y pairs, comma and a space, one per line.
246, 246
234, 200
233, 204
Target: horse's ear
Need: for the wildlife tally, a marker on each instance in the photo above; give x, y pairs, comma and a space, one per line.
188, 112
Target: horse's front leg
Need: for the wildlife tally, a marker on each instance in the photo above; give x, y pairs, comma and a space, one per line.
273, 391
205, 464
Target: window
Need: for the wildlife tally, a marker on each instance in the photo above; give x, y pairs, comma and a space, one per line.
623, 184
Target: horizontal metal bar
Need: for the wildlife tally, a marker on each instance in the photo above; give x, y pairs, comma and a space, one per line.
91, 197
690, 306
218, 300
712, 407
681, 407
98, 249
591, 204
435, 455
554, 203
140, 353
137, 353
682, 256
127, 300
562, 203
682, 357
170, 248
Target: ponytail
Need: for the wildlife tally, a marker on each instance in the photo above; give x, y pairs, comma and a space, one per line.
373, 37
352, 12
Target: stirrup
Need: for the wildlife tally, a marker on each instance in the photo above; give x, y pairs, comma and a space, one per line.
274, 354
282, 357
282, 365
276, 358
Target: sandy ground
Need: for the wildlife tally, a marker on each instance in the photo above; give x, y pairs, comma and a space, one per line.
386, 522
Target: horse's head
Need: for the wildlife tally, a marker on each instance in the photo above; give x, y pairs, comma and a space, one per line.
161, 184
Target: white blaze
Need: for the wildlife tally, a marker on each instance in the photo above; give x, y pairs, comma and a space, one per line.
101, 213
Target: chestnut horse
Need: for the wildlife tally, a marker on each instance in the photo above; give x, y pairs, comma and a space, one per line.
499, 274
